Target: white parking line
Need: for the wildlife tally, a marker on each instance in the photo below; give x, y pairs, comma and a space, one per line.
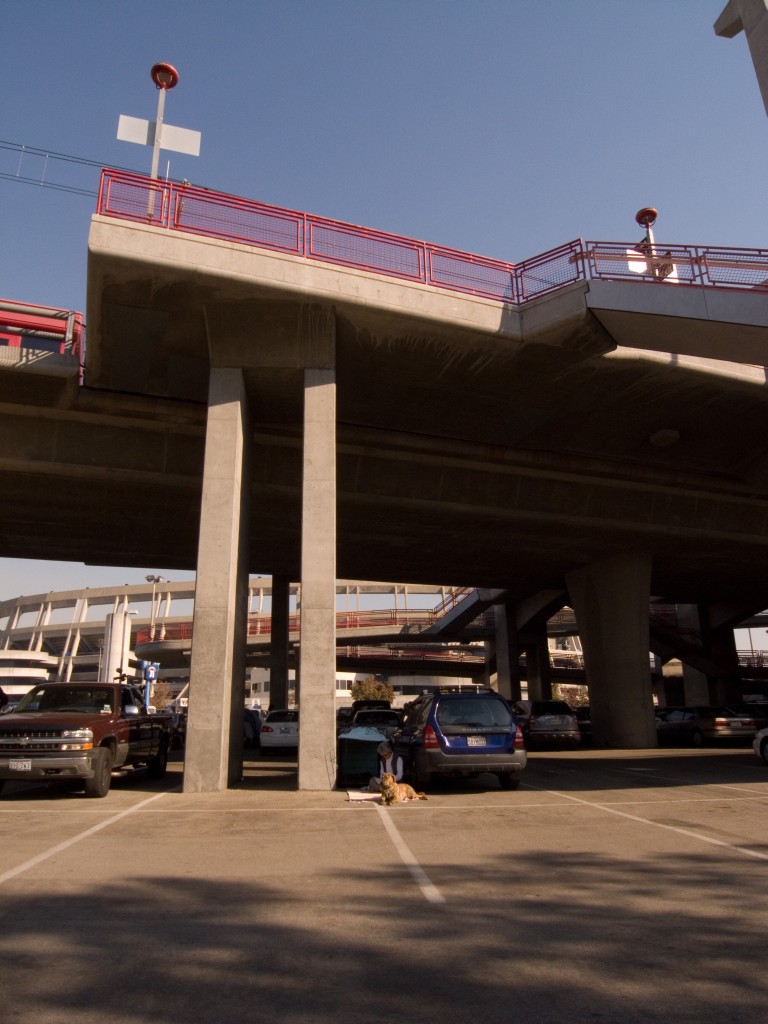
419, 875
21, 868
656, 824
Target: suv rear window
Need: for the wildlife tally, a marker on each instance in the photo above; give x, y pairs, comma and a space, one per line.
474, 711
552, 707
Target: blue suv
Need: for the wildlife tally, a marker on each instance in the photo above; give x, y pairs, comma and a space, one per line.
454, 735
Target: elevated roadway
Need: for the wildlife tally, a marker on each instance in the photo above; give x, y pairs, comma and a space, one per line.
385, 428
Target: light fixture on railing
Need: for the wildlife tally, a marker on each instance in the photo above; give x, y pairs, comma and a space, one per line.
156, 133
154, 580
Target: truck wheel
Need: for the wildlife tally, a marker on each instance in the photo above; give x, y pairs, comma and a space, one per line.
102, 773
157, 766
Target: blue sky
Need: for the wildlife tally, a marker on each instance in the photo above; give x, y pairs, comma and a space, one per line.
500, 127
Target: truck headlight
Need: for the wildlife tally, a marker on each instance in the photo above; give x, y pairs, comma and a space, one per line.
77, 739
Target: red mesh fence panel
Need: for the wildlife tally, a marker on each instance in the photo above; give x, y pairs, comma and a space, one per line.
475, 274
675, 264
135, 199
368, 250
238, 221
735, 268
550, 270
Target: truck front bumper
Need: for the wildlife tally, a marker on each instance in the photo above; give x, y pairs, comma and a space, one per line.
22, 767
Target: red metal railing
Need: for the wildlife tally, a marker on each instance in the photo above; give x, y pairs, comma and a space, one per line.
59, 330
181, 207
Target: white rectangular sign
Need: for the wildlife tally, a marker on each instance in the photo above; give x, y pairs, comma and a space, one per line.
178, 140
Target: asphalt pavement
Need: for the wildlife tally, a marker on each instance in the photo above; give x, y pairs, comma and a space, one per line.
611, 887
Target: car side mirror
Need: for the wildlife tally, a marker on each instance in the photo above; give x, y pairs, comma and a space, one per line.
132, 709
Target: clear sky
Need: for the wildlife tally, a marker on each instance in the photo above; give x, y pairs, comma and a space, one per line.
500, 127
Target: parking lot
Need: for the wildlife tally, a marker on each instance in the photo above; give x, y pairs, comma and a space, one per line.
612, 886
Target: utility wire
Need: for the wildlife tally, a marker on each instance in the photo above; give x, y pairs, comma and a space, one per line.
50, 155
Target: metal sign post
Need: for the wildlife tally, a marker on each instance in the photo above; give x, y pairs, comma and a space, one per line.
156, 133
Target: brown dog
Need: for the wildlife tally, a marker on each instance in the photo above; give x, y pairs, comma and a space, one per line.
393, 792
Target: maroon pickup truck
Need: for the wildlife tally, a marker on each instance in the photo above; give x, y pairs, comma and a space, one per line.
66, 731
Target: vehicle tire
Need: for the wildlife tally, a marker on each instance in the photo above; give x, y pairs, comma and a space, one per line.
158, 765
2, 783
509, 781
763, 752
102, 761
697, 738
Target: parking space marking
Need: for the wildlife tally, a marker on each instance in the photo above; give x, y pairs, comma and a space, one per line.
656, 824
419, 875
33, 861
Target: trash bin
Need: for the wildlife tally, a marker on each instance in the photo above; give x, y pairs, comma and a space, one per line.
357, 756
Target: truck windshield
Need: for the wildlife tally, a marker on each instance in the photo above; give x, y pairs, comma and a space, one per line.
60, 697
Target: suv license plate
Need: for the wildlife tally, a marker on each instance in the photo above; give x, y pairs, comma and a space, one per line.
476, 741
19, 765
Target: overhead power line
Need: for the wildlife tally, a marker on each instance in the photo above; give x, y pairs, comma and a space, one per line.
49, 156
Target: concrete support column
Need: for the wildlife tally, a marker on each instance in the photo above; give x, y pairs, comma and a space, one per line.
317, 732
611, 601
508, 680
751, 17
538, 669
725, 687
695, 681
279, 644
214, 746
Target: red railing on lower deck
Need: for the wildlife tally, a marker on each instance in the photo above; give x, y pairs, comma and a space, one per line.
58, 330
188, 208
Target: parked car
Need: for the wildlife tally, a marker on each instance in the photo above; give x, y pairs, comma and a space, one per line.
548, 723
757, 710
760, 744
368, 703
280, 729
454, 735
386, 720
703, 724
344, 718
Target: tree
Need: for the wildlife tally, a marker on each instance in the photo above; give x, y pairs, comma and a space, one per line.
161, 694
371, 689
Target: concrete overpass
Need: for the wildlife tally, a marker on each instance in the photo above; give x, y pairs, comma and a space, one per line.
248, 408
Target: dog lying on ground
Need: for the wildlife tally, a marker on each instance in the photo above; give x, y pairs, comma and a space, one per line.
393, 792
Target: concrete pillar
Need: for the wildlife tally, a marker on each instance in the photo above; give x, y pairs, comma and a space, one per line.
279, 642
611, 601
214, 746
508, 679
751, 17
695, 680
317, 668
726, 687
538, 669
